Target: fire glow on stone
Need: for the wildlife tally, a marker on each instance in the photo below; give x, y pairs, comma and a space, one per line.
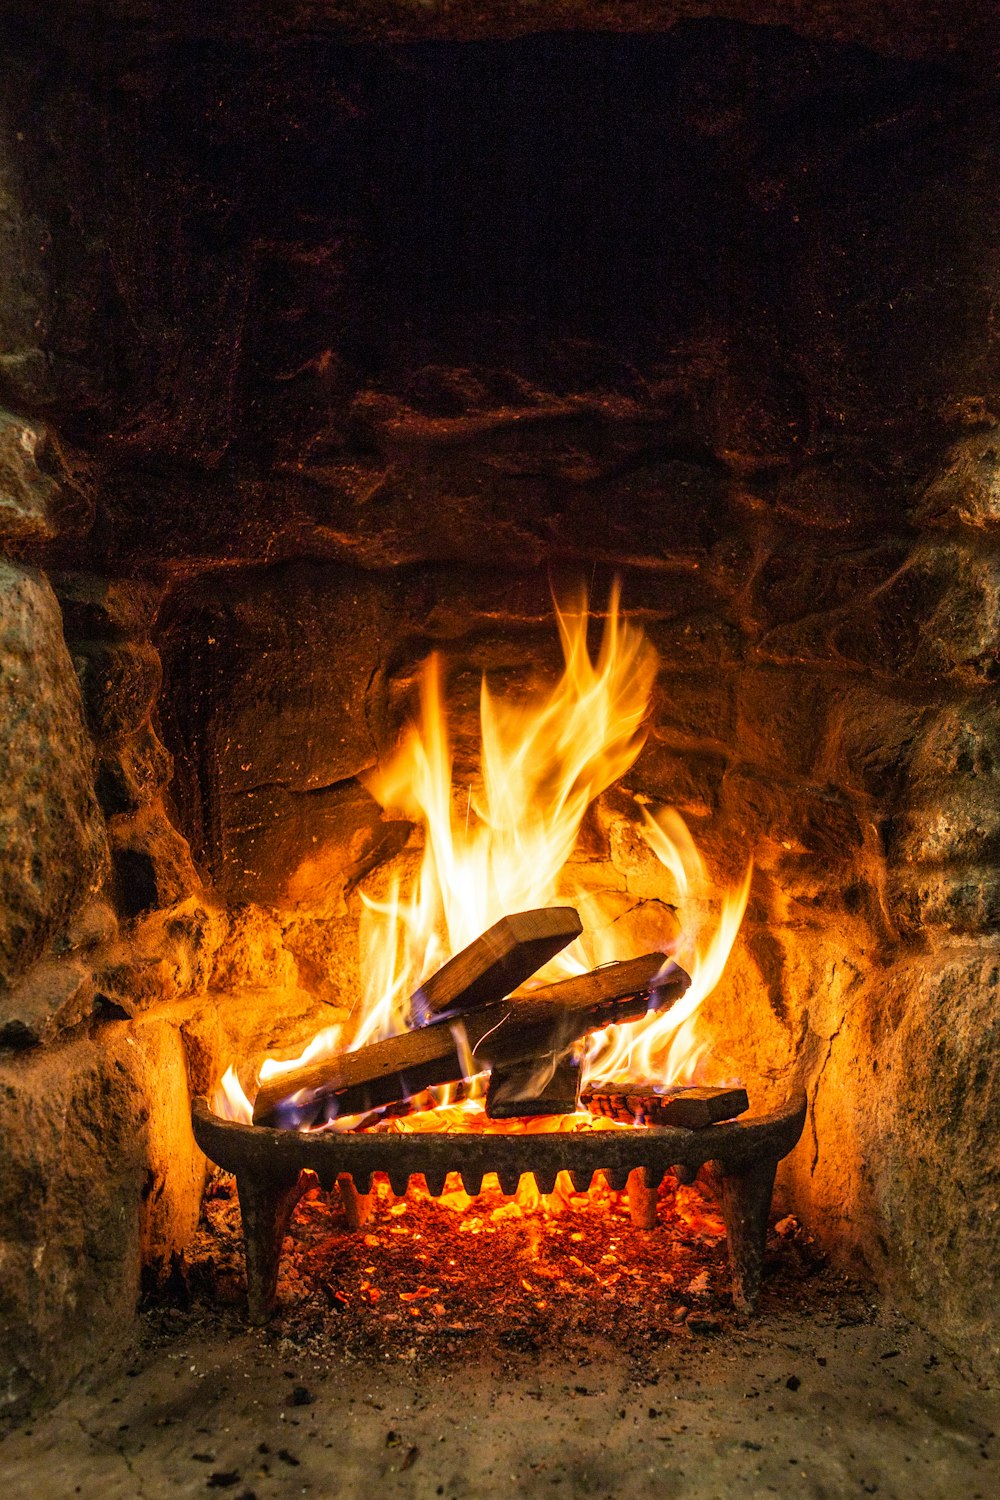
506, 844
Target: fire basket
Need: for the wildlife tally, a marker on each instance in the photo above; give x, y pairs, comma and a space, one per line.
273, 1168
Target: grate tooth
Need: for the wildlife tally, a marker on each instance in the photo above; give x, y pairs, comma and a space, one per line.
435, 1181
652, 1177
684, 1174
399, 1181
508, 1182
472, 1181
362, 1182
581, 1181
616, 1178
545, 1181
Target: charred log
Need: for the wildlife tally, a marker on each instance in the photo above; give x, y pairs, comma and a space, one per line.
520, 1030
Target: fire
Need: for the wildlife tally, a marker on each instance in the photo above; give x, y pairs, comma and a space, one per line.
503, 845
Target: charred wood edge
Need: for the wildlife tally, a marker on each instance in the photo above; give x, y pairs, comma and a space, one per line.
514, 1030
515, 1093
268, 1166
694, 1108
499, 960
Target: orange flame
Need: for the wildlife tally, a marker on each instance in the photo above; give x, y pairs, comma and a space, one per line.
502, 845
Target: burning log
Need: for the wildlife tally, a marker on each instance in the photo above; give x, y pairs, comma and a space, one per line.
692, 1107
544, 1086
498, 961
521, 1030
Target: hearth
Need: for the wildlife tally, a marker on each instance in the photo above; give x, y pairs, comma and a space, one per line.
643, 370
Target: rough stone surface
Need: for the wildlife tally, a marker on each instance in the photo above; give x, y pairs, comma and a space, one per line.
96, 607
290, 849
40, 499
24, 282
99, 1174
54, 840
164, 957
905, 1123
51, 997
151, 864
119, 682
132, 774
966, 489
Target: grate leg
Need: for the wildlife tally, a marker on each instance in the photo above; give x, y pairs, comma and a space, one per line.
357, 1206
746, 1203
641, 1200
265, 1208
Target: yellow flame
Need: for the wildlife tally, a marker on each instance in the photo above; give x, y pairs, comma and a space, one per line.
662, 1049
501, 846
230, 1101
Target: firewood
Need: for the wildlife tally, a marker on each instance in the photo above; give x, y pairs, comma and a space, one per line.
522, 1028
691, 1107
544, 1086
498, 961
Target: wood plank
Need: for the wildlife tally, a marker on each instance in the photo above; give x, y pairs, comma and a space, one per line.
692, 1107
518, 1029
498, 961
543, 1086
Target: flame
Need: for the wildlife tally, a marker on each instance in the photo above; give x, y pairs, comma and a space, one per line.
662, 1049
502, 843
230, 1101
502, 847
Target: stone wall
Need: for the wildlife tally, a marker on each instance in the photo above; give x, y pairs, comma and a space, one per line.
315, 357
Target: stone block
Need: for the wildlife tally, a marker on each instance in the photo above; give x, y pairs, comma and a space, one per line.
40, 498
286, 849
698, 641
51, 831
832, 497
168, 957
903, 1170
99, 1176
695, 708
959, 901
98, 607
689, 780
252, 953
803, 578
270, 680
152, 867
120, 682
94, 925
781, 717
874, 738
800, 818
960, 824
25, 301
52, 997
958, 748
132, 773
965, 491
938, 616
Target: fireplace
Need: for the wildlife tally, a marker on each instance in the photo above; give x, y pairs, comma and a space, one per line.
328, 345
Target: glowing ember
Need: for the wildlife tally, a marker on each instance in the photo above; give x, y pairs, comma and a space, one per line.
503, 845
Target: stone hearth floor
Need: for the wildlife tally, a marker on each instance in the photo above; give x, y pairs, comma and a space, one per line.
832, 1399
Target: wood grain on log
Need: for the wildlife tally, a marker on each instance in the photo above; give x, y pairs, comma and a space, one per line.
543, 1086
519, 1029
498, 961
693, 1107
